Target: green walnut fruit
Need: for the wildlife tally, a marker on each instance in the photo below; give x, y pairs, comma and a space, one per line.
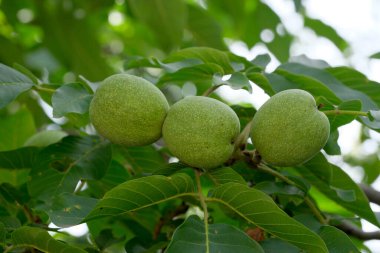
128, 110
289, 129
201, 131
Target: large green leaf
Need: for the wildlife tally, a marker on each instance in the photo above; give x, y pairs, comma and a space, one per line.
274, 245
166, 19
70, 98
225, 175
192, 236
66, 209
336, 240
206, 31
326, 31
2, 232
258, 208
60, 166
144, 159
142, 192
206, 55
308, 76
12, 84
338, 186
16, 129
40, 239
22, 158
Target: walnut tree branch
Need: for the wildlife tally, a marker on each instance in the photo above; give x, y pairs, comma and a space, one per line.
355, 231
372, 195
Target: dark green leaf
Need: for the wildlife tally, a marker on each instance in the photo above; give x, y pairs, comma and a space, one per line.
261, 80
166, 19
71, 98
192, 236
236, 81
279, 188
22, 158
225, 175
12, 84
332, 147
170, 169
145, 159
273, 245
2, 233
205, 30
338, 186
326, 31
26, 72
106, 238
40, 239
16, 129
60, 166
245, 113
375, 56
66, 209
258, 208
142, 192
340, 120
262, 60
336, 240
206, 55
201, 75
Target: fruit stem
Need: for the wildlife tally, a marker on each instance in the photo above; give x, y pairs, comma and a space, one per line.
345, 112
39, 88
204, 206
211, 90
243, 136
317, 213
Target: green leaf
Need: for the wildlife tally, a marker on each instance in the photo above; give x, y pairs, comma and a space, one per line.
340, 120
258, 208
332, 147
142, 192
205, 30
245, 113
192, 236
338, 186
166, 19
22, 158
145, 159
261, 60
336, 240
60, 166
16, 129
261, 80
71, 98
26, 72
279, 188
2, 233
326, 31
225, 175
201, 75
12, 84
274, 245
236, 81
66, 209
206, 55
375, 56
40, 239
340, 84
375, 114
45, 138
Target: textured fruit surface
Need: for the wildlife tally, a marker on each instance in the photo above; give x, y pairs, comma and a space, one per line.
128, 110
200, 131
288, 129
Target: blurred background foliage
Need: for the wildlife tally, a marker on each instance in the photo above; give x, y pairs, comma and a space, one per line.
93, 38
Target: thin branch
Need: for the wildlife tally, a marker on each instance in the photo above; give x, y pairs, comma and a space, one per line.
40, 88
181, 209
211, 90
355, 231
241, 140
344, 112
204, 206
372, 195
